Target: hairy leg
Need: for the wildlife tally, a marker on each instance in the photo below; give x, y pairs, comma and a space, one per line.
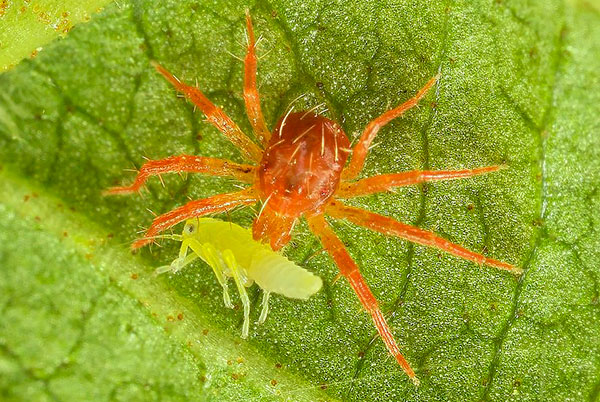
205, 206
349, 269
187, 163
251, 96
385, 182
389, 226
215, 116
361, 149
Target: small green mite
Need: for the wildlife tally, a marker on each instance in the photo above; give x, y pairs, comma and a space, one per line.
231, 252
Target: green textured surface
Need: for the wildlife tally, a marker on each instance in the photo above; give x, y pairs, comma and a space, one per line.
520, 84
27, 25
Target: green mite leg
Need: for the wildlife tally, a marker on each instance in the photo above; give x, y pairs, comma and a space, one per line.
265, 307
240, 281
231, 252
162, 270
177, 264
183, 259
211, 256
208, 254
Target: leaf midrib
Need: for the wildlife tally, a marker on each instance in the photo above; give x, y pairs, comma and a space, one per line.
87, 239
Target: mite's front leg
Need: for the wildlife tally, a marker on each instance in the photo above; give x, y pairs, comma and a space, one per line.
251, 96
361, 149
215, 116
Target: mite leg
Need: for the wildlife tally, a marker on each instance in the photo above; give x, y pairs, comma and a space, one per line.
205, 206
251, 96
389, 226
187, 163
361, 149
349, 269
265, 307
215, 116
385, 182
240, 281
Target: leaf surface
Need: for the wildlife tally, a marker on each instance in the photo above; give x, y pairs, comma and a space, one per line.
82, 318
26, 26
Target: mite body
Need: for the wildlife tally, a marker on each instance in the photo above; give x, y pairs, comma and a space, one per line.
299, 172
232, 253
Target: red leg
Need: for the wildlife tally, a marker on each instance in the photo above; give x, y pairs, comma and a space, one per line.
392, 227
215, 116
187, 163
385, 182
251, 96
349, 269
205, 206
361, 149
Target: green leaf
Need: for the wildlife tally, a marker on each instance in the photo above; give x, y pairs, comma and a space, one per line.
26, 26
84, 319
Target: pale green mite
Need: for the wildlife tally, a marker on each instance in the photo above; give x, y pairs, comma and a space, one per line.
231, 252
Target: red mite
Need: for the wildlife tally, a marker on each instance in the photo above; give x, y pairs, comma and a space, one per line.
300, 170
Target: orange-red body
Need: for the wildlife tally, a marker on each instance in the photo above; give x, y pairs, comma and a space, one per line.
298, 174
302, 169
